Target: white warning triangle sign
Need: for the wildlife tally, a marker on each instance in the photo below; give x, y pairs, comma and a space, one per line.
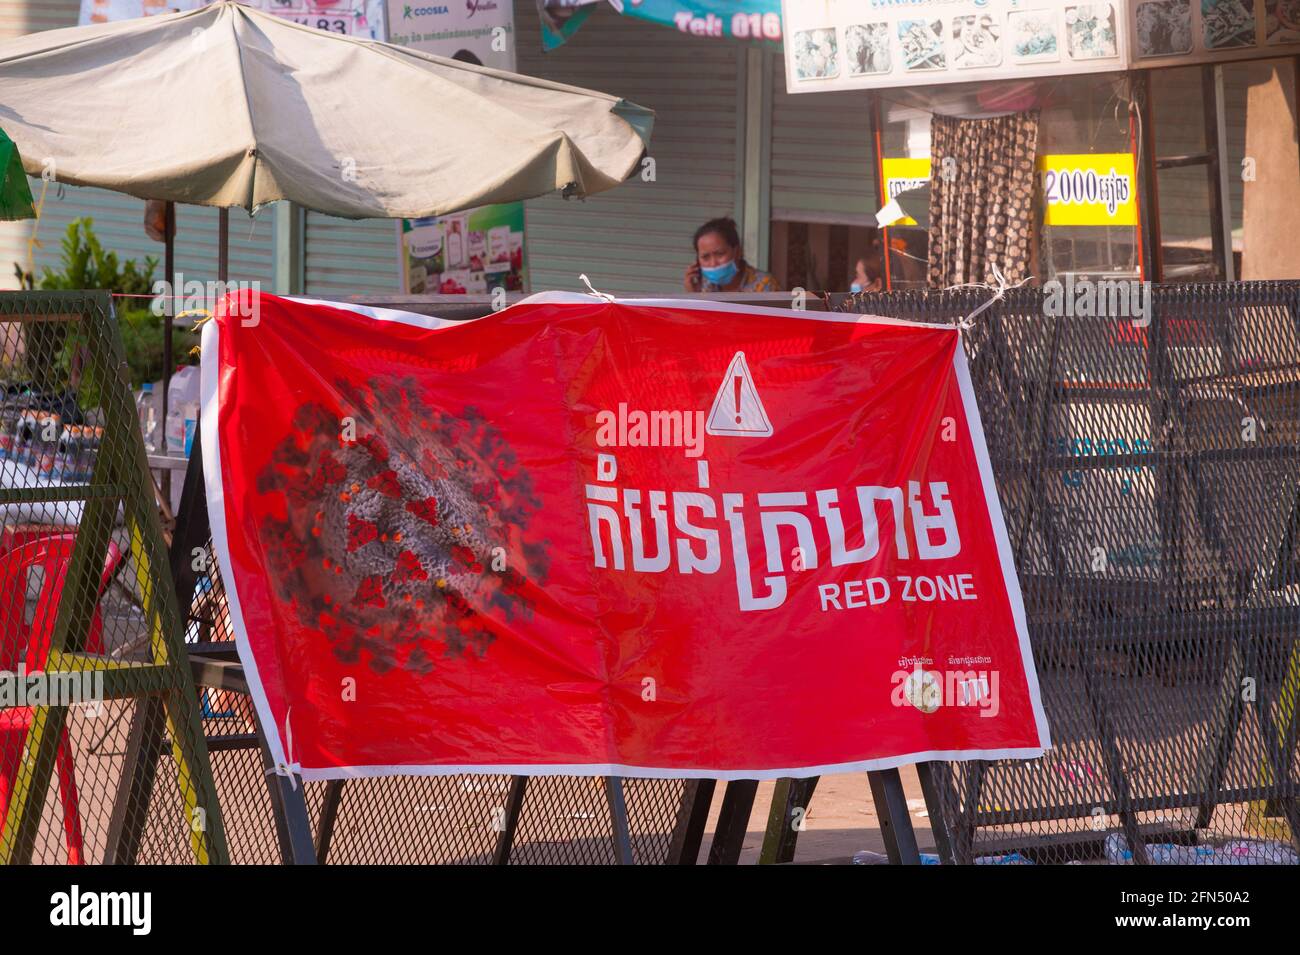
737, 410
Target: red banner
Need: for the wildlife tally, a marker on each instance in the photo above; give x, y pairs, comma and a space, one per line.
619, 538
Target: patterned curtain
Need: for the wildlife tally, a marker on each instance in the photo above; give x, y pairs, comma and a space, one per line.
982, 202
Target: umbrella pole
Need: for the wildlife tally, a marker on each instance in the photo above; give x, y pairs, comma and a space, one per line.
169, 319
223, 246
169, 266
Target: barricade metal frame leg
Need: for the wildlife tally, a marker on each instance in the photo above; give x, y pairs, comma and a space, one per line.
733, 822
692, 819
621, 830
510, 822
934, 782
790, 799
329, 812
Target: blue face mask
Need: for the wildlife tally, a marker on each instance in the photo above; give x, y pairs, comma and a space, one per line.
720, 274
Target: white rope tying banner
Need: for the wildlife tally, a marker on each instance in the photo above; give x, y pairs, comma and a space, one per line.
290, 769
592, 289
999, 292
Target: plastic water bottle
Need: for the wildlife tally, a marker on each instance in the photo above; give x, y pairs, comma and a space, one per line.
1117, 850
1159, 853
867, 857
148, 417
182, 410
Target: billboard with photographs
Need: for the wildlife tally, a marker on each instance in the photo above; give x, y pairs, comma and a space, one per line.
1174, 32
846, 44
851, 44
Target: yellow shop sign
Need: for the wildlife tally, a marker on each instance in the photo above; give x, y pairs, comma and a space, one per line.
903, 175
1089, 189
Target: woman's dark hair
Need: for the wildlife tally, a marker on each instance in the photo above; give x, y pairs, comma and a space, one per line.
725, 227
871, 266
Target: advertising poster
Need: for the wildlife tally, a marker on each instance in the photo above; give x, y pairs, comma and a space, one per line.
363, 18
476, 31
589, 537
475, 251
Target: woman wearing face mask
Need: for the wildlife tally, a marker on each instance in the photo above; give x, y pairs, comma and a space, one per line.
866, 276
720, 264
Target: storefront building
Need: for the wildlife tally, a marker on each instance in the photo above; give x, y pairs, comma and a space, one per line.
800, 172
1146, 125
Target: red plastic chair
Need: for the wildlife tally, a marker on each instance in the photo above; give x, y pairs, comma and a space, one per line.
29, 645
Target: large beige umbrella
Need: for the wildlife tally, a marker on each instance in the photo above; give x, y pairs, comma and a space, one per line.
229, 106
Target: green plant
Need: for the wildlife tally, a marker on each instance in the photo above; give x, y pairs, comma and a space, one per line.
52, 346
87, 265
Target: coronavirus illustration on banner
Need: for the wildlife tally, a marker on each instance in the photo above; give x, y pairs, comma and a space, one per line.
600, 537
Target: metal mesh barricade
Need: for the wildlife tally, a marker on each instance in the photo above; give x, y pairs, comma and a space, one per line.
97, 705
1148, 463
460, 819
